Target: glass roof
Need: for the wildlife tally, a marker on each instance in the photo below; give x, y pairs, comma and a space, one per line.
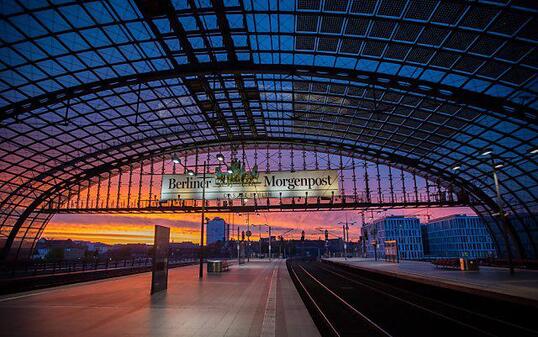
486, 48
427, 85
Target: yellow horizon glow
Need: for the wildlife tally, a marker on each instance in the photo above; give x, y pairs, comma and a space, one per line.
139, 228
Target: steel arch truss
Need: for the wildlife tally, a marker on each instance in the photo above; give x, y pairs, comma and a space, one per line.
94, 86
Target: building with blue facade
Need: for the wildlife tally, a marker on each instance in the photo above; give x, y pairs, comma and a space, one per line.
405, 230
459, 236
217, 230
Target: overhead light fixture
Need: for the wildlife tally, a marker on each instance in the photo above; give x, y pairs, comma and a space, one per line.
220, 157
176, 159
487, 152
457, 167
230, 171
499, 166
190, 172
535, 151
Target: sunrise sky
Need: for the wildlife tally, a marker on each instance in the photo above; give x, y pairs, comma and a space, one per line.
138, 228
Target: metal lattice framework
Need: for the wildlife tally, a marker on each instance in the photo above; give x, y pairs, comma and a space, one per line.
362, 185
89, 87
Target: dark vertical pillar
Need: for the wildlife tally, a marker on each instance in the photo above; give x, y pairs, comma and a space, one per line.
402, 175
379, 193
279, 157
78, 196
151, 174
428, 189
98, 192
255, 155
367, 182
130, 185
439, 191
316, 162
391, 185
196, 161
88, 190
304, 159
415, 186
292, 161
267, 165
118, 191
141, 177
109, 183
354, 177
159, 272
341, 169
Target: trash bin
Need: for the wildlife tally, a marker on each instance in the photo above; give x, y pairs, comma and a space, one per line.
214, 266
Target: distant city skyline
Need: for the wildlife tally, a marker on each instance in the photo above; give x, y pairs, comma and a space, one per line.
138, 228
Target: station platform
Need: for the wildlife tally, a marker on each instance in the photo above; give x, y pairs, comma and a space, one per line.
489, 281
254, 299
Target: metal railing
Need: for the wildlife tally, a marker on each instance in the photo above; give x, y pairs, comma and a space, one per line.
31, 268
353, 201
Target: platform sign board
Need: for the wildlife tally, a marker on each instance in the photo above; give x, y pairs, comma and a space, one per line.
159, 273
315, 183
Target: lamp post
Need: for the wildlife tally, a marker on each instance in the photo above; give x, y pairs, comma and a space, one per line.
326, 233
177, 160
283, 252
238, 248
344, 238
501, 213
202, 227
260, 238
248, 239
374, 241
260, 229
270, 258
362, 236
345, 229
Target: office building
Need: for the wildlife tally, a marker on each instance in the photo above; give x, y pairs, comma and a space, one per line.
459, 236
405, 230
217, 230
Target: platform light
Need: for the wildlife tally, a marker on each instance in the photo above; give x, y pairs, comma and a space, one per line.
220, 157
176, 159
190, 172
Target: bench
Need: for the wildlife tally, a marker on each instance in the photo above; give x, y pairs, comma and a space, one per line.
447, 263
457, 263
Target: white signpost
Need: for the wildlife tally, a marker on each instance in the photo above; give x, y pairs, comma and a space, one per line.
319, 183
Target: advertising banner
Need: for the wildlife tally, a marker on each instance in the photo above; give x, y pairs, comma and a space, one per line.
319, 183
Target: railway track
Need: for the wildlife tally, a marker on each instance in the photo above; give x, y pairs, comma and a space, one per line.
348, 303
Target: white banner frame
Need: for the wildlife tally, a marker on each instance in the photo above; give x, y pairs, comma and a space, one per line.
309, 183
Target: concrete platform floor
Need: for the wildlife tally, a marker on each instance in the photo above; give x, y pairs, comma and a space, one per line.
255, 299
523, 284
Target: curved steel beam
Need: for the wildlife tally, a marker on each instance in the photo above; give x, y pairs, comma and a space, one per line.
354, 151
458, 95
